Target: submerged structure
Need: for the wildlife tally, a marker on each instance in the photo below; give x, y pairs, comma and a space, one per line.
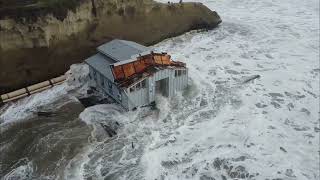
133, 74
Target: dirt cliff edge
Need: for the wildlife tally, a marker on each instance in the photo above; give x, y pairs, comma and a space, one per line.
33, 50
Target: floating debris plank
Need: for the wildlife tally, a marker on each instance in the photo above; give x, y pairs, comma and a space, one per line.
251, 78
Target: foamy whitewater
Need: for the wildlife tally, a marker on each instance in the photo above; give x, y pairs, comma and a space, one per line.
220, 127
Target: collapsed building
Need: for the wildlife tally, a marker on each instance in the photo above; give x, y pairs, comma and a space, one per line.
133, 74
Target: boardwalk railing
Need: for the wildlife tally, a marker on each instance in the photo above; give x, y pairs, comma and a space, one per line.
27, 91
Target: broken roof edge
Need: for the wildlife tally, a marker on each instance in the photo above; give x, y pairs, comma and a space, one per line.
103, 49
131, 81
133, 58
133, 44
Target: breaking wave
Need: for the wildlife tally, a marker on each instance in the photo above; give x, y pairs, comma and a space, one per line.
75, 86
228, 124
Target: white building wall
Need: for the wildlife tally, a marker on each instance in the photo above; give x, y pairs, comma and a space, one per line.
147, 95
109, 88
143, 96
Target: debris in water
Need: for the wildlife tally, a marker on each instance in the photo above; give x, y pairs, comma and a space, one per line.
282, 149
251, 78
110, 131
46, 113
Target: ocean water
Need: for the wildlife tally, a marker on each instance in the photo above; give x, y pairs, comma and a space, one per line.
221, 127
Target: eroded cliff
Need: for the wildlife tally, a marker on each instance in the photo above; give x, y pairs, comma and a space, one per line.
33, 49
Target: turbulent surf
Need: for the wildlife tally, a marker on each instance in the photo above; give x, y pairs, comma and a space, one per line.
251, 110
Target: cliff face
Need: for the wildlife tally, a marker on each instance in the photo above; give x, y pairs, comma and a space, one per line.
45, 30
47, 46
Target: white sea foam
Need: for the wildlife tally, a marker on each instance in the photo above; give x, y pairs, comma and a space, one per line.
76, 85
271, 123
103, 114
25, 107
223, 127
163, 105
21, 172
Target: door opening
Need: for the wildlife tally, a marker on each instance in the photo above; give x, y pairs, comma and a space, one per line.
162, 87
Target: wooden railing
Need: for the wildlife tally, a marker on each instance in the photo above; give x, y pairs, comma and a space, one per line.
31, 89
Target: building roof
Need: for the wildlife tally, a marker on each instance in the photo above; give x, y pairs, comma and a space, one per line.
113, 52
101, 63
120, 50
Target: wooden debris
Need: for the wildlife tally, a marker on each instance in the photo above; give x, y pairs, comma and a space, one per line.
251, 79
282, 149
45, 113
110, 131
